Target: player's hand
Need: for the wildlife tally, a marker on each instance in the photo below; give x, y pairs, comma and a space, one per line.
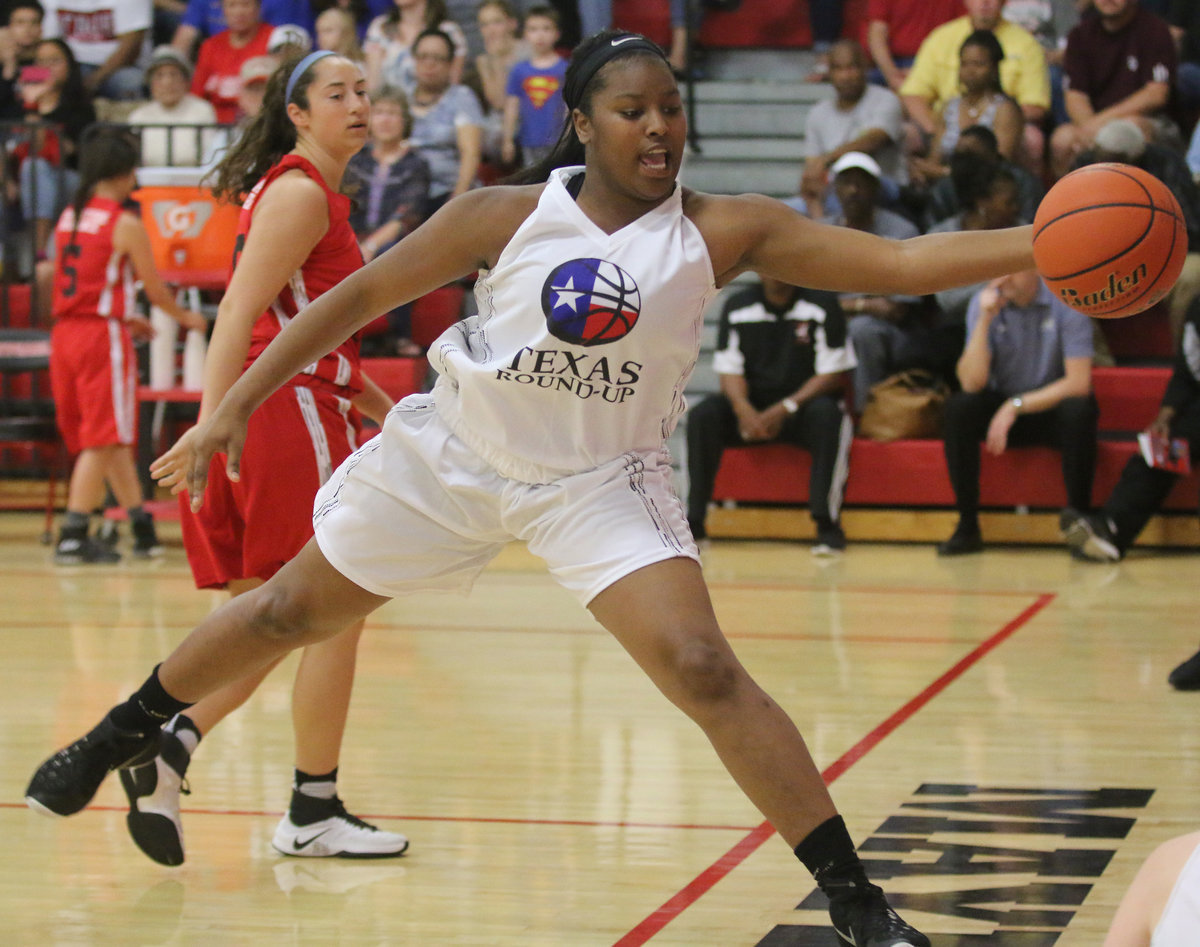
193, 320
140, 328
185, 466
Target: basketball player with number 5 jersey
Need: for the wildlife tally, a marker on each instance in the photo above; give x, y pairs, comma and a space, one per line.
100, 248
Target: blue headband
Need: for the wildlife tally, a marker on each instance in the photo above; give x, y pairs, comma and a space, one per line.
299, 71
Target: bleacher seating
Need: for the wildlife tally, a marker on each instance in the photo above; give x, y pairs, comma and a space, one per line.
913, 473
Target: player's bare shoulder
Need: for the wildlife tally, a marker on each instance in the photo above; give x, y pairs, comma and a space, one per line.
489, 216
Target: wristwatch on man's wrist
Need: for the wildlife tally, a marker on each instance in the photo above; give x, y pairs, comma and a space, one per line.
790, 405
1017, 402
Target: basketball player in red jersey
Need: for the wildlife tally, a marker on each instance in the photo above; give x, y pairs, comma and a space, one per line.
100, 248
294, 242
548, 424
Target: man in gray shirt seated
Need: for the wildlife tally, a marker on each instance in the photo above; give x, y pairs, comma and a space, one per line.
1026, 376
861, 117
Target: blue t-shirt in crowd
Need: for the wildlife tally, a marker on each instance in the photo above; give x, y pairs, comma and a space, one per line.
542, 108
1029, 344
209, 19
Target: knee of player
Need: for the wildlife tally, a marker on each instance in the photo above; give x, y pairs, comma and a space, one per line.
278, 614
705, 674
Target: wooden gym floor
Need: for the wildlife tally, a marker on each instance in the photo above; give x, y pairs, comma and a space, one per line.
997, 730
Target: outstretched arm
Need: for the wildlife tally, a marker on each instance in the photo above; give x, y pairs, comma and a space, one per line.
751, 232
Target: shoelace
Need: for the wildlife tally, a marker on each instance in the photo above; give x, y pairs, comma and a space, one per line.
341, 813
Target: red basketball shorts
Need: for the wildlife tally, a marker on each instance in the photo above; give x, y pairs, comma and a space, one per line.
93, 376
249, 529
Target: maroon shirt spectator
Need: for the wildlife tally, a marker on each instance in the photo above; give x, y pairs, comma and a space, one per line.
1119, 63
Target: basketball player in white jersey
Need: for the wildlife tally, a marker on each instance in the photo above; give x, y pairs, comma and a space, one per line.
1161, 907
548, 425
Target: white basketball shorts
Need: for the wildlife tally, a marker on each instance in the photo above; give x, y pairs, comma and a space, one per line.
415, 509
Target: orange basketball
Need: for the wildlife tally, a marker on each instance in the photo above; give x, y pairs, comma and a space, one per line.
1110, 240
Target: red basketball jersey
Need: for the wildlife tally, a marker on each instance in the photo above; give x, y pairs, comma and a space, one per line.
334, 258
90, 279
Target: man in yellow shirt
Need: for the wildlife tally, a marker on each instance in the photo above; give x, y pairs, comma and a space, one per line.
933, 79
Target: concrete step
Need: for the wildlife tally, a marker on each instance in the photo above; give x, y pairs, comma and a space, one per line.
765, 119
779, 64
740, 148
773, 178
761, 90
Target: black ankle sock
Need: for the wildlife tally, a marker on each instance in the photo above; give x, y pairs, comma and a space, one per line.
75, 523
314, 796
148, 708
829, 854
139, 514
968, 524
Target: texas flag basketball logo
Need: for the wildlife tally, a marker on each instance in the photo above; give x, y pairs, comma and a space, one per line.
590, 302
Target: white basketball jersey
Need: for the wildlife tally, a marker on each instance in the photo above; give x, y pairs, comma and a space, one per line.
1179, 925
584, 340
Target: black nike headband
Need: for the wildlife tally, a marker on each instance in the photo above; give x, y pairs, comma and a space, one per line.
600, 56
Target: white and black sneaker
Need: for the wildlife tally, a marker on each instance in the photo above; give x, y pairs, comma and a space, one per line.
153, 791
72, 550
864, 918
339, 836
1090, 536
145, 539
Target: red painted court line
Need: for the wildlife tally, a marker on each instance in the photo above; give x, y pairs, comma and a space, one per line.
699, 886
477, 820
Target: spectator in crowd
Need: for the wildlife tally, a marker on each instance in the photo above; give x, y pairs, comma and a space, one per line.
782, 359
534, 109
933, 80
18, 49
218, 75
447, 120
978, 144
337, 32
981, 102
1026, 376
1193, 154
289, 41
1106, 535
392, 36
106, 37
860, 117
502, 49
825, 18
1123, 140
990, 200
168, 75
886, 331
1119, 63
48, 162
895, 31
1160, 906
1049, 21
597, 15
206, 18
1184, 22
393, 189
255, 73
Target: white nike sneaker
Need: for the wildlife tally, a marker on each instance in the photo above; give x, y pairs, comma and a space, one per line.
340, 836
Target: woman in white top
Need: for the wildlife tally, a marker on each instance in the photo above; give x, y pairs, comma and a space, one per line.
548, 424
390, 38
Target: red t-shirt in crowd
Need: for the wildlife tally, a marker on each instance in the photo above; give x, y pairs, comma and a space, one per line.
910, 21
218, 75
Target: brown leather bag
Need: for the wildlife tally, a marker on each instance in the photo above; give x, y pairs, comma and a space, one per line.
907, 405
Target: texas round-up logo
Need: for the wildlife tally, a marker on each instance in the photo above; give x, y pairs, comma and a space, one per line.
590, 302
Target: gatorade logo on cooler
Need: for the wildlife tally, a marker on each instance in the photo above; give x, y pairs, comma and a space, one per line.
180, 219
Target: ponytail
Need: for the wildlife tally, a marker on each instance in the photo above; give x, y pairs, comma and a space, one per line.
104, 153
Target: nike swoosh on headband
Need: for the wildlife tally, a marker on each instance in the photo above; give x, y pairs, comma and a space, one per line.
623, 39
